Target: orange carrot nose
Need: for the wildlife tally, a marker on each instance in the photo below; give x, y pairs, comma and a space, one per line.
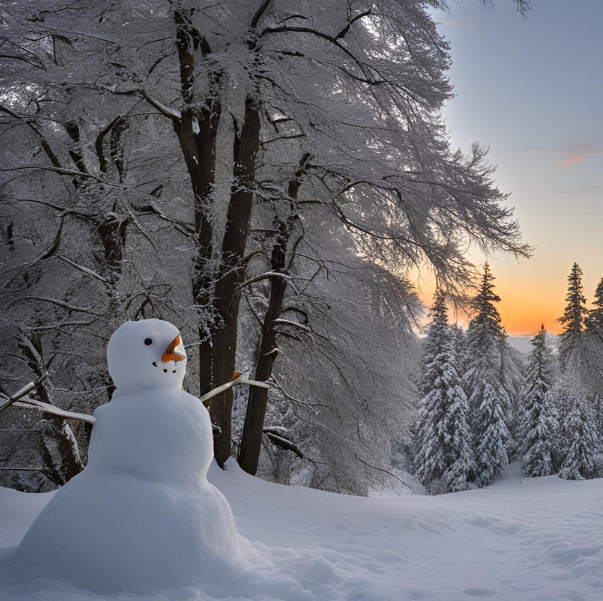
171, 354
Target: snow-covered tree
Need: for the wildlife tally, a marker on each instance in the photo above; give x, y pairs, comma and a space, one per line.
594, 320
538, 422
592, 369
512, 368
343, 385
156, 147
571, 342
580, 439
580, 354
489, 399
444, 459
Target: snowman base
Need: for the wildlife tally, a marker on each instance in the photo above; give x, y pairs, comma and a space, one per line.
142, 515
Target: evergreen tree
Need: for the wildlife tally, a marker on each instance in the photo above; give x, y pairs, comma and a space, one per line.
444, 458
512, 376
594, 320
592, 370
538, 424
486, 315
581, 441
489, 400
459, 345
581, 356
571, 347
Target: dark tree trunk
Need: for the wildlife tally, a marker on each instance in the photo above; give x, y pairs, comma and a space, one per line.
217, 349
232, 274
199, 151
251, 441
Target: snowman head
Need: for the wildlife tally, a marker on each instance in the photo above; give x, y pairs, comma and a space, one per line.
146, 355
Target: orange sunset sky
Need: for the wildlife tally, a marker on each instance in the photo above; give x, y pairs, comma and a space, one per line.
530, 89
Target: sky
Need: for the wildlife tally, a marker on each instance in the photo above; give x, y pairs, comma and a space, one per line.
532, 90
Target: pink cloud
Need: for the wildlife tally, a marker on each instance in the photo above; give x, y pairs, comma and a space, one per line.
577, 153
465, 22
571, 159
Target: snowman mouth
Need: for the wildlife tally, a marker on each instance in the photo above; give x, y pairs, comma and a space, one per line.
165, 370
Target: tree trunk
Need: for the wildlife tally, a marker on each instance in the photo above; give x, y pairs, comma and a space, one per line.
232, 274
251, 440
253, 428
197, 131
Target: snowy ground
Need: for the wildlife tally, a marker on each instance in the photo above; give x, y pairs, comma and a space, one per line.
540, 539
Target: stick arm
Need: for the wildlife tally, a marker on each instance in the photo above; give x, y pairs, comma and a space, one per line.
23, 401
236, 382
22, 393
27, 403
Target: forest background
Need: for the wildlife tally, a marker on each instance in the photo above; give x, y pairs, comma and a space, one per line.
264, 176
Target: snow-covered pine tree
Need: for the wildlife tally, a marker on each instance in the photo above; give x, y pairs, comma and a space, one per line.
444, 459
459, 344
593, 334
512, 376
581, 440
578, 359
571, 345
539, 419
488, 397
594, 320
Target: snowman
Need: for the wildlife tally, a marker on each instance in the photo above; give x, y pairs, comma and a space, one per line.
142, 516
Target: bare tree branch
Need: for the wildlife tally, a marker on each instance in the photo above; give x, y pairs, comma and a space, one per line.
23, 392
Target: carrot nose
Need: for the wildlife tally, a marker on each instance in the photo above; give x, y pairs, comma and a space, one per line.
171, 354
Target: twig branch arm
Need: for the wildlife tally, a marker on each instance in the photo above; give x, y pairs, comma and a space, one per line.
27, 403
20, 400
237, 382
23, 392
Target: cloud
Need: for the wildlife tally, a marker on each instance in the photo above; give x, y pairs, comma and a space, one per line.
465, 22
577, 153
571, 159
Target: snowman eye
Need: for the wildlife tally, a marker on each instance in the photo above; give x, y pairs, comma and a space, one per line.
148, 341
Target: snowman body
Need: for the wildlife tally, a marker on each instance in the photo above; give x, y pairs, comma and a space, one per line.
142, 516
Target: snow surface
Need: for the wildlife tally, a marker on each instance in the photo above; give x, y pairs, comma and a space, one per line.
531, 539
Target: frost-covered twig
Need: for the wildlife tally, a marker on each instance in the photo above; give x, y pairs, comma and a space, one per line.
380, 469
283, 443
262, 276
286, 322
27, 403
23, 392
166, 110
62, 171
236, 382
83, 269
57, 302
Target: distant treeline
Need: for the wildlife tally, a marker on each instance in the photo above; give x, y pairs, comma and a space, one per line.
482, 406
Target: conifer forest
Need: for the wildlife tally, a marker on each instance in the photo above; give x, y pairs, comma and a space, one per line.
483, 404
